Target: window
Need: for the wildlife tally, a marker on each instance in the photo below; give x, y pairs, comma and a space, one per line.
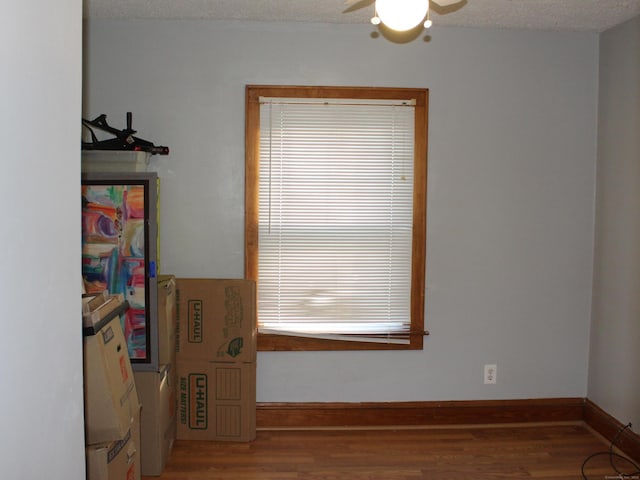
336, 216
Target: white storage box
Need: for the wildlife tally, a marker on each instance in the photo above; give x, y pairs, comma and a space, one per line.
114, 161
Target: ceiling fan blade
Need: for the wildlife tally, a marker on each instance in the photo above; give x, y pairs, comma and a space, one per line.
356, 4
442, 7
444, 3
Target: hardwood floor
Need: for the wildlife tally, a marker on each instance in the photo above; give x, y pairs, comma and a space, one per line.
537, 451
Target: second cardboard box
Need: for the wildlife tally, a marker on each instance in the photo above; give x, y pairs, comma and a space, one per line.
216, 320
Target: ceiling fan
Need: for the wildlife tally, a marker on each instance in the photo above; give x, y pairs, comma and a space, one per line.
402, 15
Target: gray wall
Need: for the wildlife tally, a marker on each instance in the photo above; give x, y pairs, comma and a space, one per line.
41, 407
512, 156
614, 366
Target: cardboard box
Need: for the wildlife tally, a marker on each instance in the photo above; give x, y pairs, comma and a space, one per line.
157, 392
216, 320
110, 400
117, 460
167, 320
216, 401
98, 310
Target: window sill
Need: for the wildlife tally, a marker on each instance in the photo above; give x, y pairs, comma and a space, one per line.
273, 343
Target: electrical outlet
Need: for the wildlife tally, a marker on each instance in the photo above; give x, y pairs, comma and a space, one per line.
490, 374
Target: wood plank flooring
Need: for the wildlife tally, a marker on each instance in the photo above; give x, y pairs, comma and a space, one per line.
535, 451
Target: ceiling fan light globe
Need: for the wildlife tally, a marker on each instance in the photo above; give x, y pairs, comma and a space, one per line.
402, 15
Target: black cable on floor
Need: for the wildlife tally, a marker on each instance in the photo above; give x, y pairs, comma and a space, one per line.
612, 457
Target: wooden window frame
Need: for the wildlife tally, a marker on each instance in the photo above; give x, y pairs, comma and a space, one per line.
272, 342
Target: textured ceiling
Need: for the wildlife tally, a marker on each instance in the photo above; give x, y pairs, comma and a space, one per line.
584, 15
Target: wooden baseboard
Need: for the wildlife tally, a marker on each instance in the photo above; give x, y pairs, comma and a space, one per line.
467, 412
609, 428
384, 414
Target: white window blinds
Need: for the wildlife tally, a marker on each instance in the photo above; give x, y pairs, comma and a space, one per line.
335, 218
